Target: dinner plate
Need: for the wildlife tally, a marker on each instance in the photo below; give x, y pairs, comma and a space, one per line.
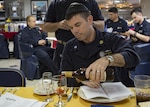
101, 100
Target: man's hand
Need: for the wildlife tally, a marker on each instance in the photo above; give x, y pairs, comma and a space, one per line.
134, 39
63, 25
41, 42
131, 32
96, 71
93, 84
126, 34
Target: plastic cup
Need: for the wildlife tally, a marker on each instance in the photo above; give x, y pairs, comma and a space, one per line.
142, 87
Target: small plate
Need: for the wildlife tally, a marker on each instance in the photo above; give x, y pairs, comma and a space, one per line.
101, 100
42, 92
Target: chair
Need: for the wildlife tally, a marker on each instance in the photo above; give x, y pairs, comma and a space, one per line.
143, 51
10, 77
143, 68
15, 49
4, 51
29, 62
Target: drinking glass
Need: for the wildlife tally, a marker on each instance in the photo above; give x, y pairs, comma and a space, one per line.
142, 87
60, 83
47, 84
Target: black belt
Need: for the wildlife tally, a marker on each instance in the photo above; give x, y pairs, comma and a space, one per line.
61, 42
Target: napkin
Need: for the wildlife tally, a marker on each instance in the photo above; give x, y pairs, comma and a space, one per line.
11, 100
144, 104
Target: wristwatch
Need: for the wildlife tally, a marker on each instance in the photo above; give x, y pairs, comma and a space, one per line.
110, 59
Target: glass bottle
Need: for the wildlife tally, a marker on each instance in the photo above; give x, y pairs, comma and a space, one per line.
80, 74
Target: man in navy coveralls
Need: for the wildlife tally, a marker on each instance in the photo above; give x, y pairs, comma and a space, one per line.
33, 35
141, 34
93, 49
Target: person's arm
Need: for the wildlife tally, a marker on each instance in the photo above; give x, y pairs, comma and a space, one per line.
124, 34
122, 55
50, 27
96, 70
142, 37
99, 24
54, 26
98, 19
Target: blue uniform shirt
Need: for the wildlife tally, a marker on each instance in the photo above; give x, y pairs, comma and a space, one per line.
57, 9
78, 54
143, 28
120, 26
33, 35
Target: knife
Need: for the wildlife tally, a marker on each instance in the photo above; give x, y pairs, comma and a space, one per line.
70, 95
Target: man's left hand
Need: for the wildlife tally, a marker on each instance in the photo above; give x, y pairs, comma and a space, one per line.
92, 84
41, 42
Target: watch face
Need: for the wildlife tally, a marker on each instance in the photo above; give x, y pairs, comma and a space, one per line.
110, 58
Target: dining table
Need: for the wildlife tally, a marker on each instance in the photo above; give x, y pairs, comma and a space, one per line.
76, 101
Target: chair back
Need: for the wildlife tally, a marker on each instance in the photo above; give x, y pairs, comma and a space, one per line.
143, 68
25, 50
29, 62
10, 77
143, 50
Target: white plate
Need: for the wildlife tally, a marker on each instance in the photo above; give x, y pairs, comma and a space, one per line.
38, 89
101, 100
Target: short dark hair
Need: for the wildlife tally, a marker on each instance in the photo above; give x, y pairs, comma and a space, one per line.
77, 8
113, 10
136, 10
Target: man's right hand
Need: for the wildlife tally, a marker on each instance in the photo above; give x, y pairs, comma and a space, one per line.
96, 70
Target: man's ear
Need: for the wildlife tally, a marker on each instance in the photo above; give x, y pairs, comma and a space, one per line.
90, 19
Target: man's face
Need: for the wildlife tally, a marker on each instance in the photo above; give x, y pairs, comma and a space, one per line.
32, 22
80, 27
136, 17
113, 16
